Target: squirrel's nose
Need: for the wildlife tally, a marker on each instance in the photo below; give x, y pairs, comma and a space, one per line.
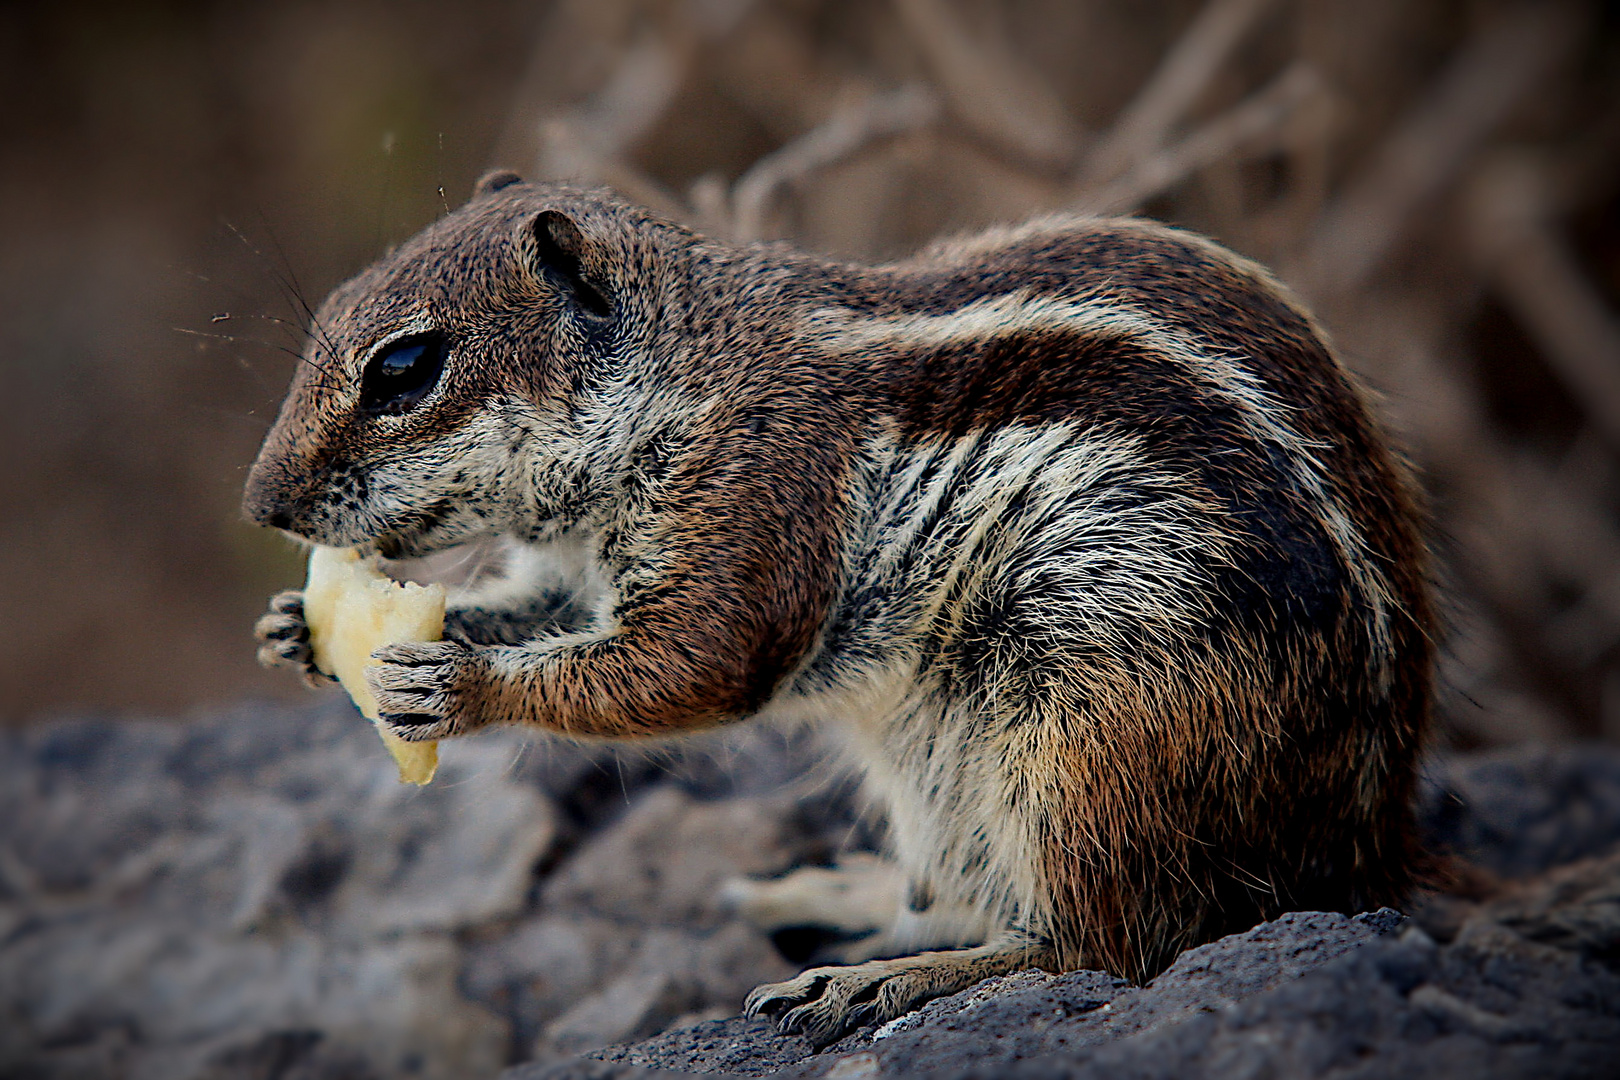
276, 517
265, 502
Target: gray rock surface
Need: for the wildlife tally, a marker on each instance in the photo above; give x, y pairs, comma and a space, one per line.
171, 890
252, 894
1530, 987
255, 894
1524, 810
1525, 985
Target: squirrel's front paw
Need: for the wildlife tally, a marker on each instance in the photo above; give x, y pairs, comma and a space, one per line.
426, 690
283, 638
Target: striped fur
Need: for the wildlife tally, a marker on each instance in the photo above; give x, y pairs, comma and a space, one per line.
1075, 535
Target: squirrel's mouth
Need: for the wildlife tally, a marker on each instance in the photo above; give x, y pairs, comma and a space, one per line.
421, 533
390, 546
407, 544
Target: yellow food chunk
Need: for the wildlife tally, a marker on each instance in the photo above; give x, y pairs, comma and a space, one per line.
352, 610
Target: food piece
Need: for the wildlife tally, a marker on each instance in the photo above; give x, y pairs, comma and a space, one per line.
352, 610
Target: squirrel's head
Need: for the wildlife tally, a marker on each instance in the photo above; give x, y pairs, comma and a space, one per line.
433, 378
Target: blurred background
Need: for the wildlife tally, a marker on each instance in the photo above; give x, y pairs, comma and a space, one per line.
1439, 178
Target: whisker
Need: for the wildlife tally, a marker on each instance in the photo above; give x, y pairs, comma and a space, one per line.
297, 327
232, 339
299, 349
316, 330
243, 297
259, 423
235, 340
292, 292
438, 174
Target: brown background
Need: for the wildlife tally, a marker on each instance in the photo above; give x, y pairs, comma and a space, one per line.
1439, 178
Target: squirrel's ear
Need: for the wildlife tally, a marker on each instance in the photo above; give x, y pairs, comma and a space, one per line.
564, 255
494, 180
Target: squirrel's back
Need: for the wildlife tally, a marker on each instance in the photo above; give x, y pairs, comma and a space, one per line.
1151, 581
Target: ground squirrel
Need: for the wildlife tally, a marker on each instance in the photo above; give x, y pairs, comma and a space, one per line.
1075, 534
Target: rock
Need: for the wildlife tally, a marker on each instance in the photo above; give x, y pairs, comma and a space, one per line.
591, 1069
669, 974
737, 1045
1530, 987
253, 894
633, 936
537, 969
189, 897
627, 873
1523, 810
1038, 1016
634, 1005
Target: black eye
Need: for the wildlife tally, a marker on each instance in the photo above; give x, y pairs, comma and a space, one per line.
401, 375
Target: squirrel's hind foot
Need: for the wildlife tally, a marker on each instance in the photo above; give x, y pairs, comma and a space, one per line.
826, 1003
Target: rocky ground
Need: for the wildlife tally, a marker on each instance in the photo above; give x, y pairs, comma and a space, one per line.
253, 894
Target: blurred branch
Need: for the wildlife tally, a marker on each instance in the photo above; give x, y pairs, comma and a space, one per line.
1475, 672
590, 141
988, 87
1577, 542
566, 153
636, 95
845, 133
1518, 519
1175, 86
1256, 126
1473, 96
775, 71
1537, 275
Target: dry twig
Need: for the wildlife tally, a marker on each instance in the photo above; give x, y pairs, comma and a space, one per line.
1532, 267
1175, 86
842, 135
989, 89
1428, 149
1255, 127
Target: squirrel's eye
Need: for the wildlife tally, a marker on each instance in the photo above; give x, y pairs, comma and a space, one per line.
401, 375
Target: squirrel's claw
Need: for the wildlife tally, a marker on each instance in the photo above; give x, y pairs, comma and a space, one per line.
419, 687
283, 638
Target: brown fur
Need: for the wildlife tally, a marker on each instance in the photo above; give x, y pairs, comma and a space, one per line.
1078, 530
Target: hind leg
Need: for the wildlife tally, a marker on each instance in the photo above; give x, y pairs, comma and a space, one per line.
863, 899
861, 895
827, 1002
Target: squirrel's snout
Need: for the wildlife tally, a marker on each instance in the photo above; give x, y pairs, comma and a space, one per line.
280, 519
267, 499
265, 512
